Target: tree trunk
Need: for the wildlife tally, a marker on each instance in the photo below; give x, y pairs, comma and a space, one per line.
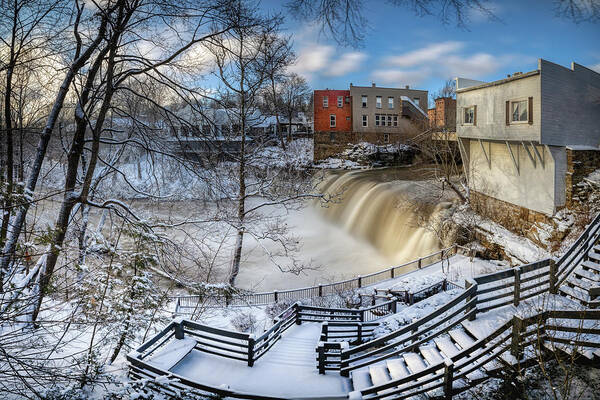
14, 229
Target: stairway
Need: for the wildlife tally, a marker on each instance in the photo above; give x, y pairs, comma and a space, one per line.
434, 352
583, 285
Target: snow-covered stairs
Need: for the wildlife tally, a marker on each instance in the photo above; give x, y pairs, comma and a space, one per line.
432, 353
583, 285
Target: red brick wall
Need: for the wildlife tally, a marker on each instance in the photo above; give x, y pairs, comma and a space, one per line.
444, 113
343, 114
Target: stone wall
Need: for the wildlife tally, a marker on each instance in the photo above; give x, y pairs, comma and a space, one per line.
580, 163
331, 144
517, 219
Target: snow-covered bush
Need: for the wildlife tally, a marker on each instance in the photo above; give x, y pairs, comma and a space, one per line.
244, 322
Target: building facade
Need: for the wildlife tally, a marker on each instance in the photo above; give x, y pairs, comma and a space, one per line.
366, 114
518, 135
443, 116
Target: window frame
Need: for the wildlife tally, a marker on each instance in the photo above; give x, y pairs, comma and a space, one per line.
386, 138
395, 120
365, 121
377, 119
365, 101
464, 114
332, 120
390, 103
389, 120
378, 102
325, 101
340, 101
523, 100
417, 101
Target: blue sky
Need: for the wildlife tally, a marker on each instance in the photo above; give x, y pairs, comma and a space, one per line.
403, 49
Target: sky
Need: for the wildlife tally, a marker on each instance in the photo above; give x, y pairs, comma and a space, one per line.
401, 48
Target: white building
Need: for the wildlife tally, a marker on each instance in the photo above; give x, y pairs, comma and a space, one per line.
524, 138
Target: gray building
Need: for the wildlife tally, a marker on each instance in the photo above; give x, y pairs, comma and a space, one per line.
521, 136
380, 110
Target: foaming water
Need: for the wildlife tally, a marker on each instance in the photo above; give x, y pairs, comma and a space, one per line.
391, 216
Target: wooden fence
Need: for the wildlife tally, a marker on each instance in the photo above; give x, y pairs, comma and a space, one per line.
189, 305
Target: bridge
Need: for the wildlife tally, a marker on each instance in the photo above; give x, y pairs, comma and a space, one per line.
497, 325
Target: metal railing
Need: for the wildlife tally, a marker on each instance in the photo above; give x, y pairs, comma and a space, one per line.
191, 303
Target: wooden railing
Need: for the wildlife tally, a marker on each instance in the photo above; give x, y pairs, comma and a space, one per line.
578, 250
513, 337
189, 304
411, 335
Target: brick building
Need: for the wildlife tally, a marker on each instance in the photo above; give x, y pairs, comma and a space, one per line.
365, 114
443, 115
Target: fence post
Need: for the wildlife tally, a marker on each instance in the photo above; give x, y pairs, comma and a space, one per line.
275, 295
392, 273
517, 293
444, 285
324, 331
394, 305
468, 285
320, 290
359, 326
359, 281
297, 312
179, 329
553, 277
515, 347
321, 357
448, 378
419, 263
251, 342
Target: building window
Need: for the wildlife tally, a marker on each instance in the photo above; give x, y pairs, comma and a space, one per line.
391, 103
365, 120
325, 102
378, 101
347, 118
340, 101
416, 100
376, 119
389, 118
332, 120
469, 115
519, 111
395, 120
386, 138
364, 101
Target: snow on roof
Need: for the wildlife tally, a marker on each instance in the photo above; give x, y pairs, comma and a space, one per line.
404, 98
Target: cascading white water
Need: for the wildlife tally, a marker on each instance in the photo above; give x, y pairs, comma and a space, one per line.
391, 216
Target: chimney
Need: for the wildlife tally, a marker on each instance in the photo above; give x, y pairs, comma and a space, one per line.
408, 87
373, 84
350, 84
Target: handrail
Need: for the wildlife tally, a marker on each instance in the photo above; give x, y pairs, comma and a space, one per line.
325, 289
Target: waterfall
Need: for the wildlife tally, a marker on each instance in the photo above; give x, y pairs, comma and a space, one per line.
396, 217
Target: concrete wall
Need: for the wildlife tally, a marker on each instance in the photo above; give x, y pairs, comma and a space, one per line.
491, 110
540, 188
570, 105
356, 92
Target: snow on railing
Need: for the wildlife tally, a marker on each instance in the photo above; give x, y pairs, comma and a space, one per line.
186, 305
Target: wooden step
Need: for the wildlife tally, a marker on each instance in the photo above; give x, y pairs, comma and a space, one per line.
584, 284
594, 255
172, 353
582, 351
431, 354
414, 362
379, 376
597, 353
589, 275
397, 369
590, 265
462, 338
446, 346
477, 329
361, 379
575, 293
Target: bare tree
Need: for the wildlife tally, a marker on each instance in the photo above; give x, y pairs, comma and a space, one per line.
294, 93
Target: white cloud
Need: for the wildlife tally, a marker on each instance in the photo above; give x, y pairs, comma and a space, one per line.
348, 62
311, 59
430, 53
441, 61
